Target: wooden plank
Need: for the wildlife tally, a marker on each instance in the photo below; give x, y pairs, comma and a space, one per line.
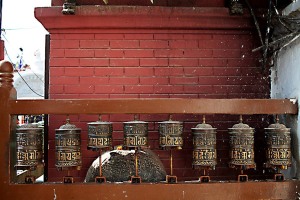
210, 191
154, 106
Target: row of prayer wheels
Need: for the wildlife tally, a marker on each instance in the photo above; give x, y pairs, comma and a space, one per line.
68, 144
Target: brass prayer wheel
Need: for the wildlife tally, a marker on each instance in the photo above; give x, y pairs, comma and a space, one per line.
241, 146
99, 135
170, 134
29, 145
135, 133
278, 140
67, 143
204, 142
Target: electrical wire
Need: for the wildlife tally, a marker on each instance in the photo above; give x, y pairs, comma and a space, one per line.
22, 76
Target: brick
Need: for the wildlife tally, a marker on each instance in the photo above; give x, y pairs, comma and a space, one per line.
139, 71
124, 44
168, 53
203, 89
243, 63
154, 96
154, 80
64, 44
226, 37
109, 71
130, 62
183, 80
57, 53
183, 62
108, 89
220, 44
198, 71
197, 53
167, 36
197, 36
154, 44
67, 62
123, 80
123, 96
139, 36
140, 53
94, 96
184, 96
212, 62
64, 80
186, 44
234, 89
79, 53
94, 44
220, 89
56, 89
168, 71
56, 71
140, 89
79, 89
213, 80
109, 53
109, 36
79, 71
94, 80
79, 36
168, 89
153, 62
96, 62
221, 71
227, 53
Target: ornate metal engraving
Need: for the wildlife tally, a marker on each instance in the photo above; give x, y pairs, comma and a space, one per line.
170, 134
99, 135
241, 146
278, 146
29, 143
135, 134
68, 151
204, 142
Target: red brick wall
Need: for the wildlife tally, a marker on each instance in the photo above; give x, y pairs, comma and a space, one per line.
1, 49
158, 63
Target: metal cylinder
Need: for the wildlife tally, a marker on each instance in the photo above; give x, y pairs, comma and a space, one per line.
170, 134
278, 140
67, 147
99, 135
241, 146
135, 133
204, 142
29, 145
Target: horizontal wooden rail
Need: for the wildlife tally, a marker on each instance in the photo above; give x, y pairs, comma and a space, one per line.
154, 106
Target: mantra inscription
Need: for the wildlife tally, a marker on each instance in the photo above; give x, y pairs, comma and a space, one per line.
278, 147
68, 152
29, 147
170, 134
100, 135
135, 134
242, 147
204, 142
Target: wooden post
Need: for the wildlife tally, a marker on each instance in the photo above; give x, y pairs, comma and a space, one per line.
7, 141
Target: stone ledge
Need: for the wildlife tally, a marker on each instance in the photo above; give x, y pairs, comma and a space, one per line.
142, 17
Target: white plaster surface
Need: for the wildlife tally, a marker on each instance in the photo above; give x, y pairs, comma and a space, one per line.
285, 83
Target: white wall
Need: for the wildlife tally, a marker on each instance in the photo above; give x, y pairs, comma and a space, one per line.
285, 83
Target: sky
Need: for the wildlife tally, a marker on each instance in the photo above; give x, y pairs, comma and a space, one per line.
21, 29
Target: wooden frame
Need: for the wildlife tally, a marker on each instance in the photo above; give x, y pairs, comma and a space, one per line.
9, 107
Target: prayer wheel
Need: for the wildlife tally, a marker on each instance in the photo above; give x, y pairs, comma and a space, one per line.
241, 146
29, 145
278, 140
204, 142
135, 133
67, 143
99, 135
170, 134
